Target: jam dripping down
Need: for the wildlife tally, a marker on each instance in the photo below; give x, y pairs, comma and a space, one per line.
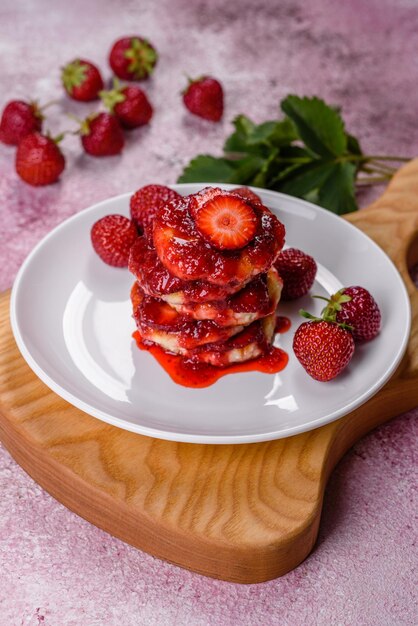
198, 375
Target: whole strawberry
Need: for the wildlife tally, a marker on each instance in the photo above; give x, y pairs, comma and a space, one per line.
204, 97
39, 161
112, 237
19, 118
146, 202
355, 307
101, 135
81, 80
323, 348
133, 58
129, 104
298, 271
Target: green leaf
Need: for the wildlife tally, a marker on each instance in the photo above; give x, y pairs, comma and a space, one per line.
283, 133
305, 178
205, 168
243, 125
353, 145
262, 132
266, 171
249, 138
245, 170
320, 127
337, 192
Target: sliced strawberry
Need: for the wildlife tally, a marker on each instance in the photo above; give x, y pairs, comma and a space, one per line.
247, 194
227, 222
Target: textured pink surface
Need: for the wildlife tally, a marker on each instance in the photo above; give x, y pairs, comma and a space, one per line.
58, 570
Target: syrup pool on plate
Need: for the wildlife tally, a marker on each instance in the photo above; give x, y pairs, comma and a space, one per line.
198, 375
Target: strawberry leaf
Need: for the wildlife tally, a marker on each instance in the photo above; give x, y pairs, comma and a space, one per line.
246, 169
307, 154
305, 178
206, 168
337, 192
320, 127
249, 138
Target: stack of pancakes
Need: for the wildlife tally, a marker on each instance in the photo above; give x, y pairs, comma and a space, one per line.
211, 306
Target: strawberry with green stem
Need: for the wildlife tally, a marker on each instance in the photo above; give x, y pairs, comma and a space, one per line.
133, 58
81, 80
21, 118
324, 349
204, 97
101, 134
129, 104
355, 307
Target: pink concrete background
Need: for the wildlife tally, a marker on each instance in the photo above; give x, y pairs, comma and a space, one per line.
55, 568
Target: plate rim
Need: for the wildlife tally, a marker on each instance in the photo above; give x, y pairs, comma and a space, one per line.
196, 438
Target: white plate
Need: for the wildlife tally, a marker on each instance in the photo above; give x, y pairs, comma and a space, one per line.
71, 318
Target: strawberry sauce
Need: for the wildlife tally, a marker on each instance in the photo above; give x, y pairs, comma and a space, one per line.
198, 375
282, 324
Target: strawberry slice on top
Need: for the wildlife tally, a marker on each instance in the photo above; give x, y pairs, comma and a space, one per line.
227, 222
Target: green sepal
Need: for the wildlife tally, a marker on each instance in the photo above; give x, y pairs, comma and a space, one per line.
112, 97
142, 57
73, 75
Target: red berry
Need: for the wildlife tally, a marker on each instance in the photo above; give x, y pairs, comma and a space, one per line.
298, 271
39, 161
361, 312
204, 97
146, 202
18, 120
133, 58
112, 237
323, 348
129, 104
101, 135
81, 80
227, 222
247, 194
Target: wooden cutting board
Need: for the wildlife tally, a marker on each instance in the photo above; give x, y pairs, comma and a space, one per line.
243, 513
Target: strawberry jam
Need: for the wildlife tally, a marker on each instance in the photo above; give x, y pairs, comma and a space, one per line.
187, 255
197, 375
158, 282
158, 321
282, 324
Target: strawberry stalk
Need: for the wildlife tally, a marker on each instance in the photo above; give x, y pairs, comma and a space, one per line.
329, 313
112, 97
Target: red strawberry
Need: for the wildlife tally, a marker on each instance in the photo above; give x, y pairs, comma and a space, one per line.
227, 222
247, 194
18, 120
145, 203
129, 104
298, 271
39, 161
323, 348
101, 135
112, 237
204, 97
133, 58
81, 80
355, 307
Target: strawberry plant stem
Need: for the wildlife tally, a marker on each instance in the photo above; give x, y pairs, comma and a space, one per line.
373, 180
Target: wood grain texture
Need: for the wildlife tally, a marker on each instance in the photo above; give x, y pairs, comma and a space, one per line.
243, 513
